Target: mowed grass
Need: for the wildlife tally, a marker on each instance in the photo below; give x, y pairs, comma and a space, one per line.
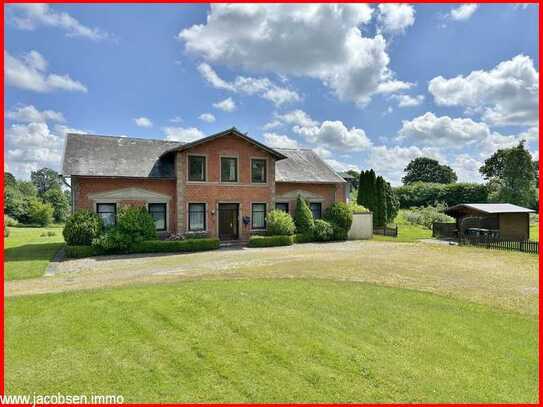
269, 341
27, 253
534, 231
407, 232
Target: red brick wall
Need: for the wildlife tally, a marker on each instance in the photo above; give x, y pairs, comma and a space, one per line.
329, 193
84, 186
214, 192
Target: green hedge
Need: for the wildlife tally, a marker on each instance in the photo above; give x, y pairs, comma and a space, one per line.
427, 194
148, 246
270, 241
304, 238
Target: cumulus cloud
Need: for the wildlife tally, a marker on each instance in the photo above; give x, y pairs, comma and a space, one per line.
28, 114
408, 100
29, 72
185, 134
335, 135
226, 105
506, 95
463, 12
207, 117
443, 131
279, 141
467, 168
143, 122
297, 118
322, 41
262, 87
32, 16
395, 18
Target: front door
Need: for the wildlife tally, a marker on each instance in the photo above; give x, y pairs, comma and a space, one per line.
228, 221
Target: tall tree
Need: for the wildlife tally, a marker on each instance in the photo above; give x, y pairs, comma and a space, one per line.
45, 179
428, 170
392, 203
58, 200
356, 177
511, 177
380, 207
362, 197
9, 180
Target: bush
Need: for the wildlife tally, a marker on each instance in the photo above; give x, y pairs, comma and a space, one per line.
78, 252
136, 224
340, 215
279, 223
339, 233
355, 208
423, 194
58, 200
49, 233
113, 241
304, 238
173, 246
81, 228
323, 231
426, 216
40, 213
270, 241
303, 218
6, 231
9, 221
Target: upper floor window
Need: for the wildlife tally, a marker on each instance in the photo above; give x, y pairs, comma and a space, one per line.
158, 213
282, 206
229, 169
258, 171
107, 212
316, 209
197, 168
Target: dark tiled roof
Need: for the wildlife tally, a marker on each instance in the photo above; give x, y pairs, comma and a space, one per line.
104, 156
303, 165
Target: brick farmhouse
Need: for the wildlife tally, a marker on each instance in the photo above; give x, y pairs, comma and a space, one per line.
222, 185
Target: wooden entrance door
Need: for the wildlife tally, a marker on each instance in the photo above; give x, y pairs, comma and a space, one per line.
228, 221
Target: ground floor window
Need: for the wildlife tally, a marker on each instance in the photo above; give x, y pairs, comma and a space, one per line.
197, 217
282, 206
316, 209
107, 212
259, 216
158, 212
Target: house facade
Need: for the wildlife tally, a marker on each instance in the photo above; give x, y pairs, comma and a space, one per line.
222, 185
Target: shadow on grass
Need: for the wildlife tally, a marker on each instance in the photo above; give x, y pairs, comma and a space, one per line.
29, 252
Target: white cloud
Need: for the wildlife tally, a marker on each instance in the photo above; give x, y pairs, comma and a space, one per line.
263, 87
207, 117
408, 100
176, 119
463, 12
143, 122
226, 105
443, 131
322, 41
506, 95
187, 134
29, 72
272, 125
335, 135
467, 168
28, 114
395, 18
279, 141
32, 16
297, 118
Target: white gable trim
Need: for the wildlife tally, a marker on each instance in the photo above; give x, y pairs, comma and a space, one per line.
130, 194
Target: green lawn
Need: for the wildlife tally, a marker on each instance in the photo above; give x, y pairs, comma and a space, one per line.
534, 231
28, 251
407, 232
269, 341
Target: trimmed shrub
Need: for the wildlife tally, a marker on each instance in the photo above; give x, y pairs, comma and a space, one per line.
355, 208
303, 218
340, 215
304, 238
40, 213
323, 231
279, 223
9, 221
113, 241
424, 194
136, 224
173, 246
339, 233
79, 252
270, 241
81, 228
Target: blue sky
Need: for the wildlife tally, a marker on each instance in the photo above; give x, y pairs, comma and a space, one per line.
366, 86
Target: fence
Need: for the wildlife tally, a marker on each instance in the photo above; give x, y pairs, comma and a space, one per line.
526, 246
444, 230
386, 230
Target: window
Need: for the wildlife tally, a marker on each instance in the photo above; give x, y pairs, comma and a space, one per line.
316, 209
197, 168
282, 206
258, 171
229, 169
158, 212
259, 216
107, 212
197, 217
